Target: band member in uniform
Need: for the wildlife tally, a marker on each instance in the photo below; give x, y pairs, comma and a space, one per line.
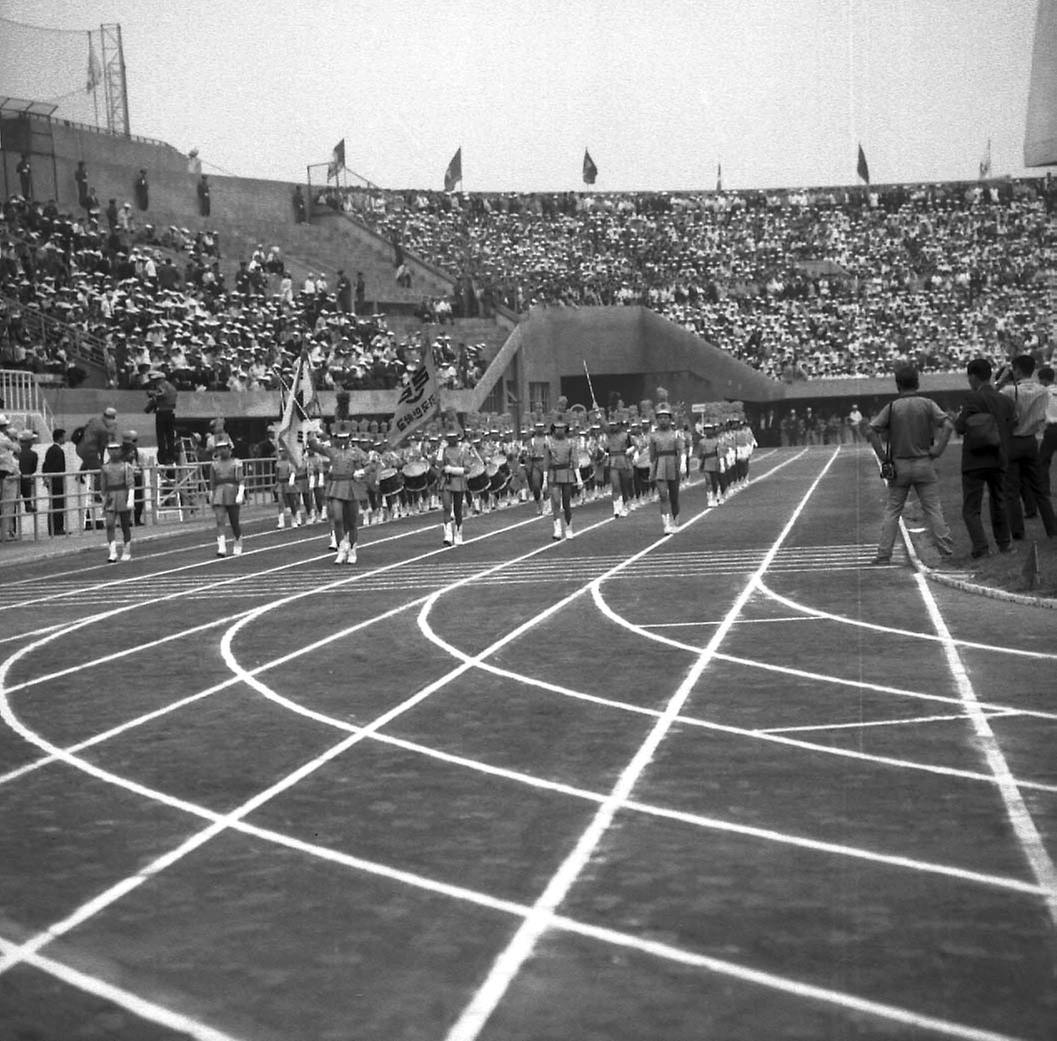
708, 456
347, 463
666, 458
453, 460
618, 444
285, 486
228, 490
117, 487
563, 474
535, 460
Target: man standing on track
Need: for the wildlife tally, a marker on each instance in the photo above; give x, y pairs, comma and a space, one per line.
347, 463
666, 456
917, 431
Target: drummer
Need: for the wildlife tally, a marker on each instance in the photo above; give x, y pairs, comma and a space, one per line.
347, 462
562, 475
390, 480
454, 460
640, 440
415, 469
666, 456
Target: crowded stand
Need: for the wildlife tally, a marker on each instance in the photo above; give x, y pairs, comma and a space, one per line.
797, 284
158, 301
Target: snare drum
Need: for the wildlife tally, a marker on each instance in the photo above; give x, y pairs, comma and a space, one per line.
416, 475
390, 481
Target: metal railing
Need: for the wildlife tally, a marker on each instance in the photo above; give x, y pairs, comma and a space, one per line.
20, 393
42, 506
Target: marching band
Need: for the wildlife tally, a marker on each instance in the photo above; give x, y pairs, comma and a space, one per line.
556, 460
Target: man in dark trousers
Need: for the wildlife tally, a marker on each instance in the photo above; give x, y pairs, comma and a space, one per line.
1030, 400
142, 190
344, 292
80, 175
204, 204
55, 464
25, 176
111, 215
162, 403
361, 294
984, 466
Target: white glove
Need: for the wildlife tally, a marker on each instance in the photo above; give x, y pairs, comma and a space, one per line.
130, 500
240, 495
293, 479
359, 475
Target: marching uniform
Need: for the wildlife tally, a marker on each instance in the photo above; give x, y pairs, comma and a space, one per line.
453, 461
347, 463
667, 448
708, 455
618, 445
227, 491
562, 474
117, 488
535, 462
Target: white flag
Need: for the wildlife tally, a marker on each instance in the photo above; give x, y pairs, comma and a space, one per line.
299, 414
419, 401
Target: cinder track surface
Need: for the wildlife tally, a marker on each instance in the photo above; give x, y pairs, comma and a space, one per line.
730, 784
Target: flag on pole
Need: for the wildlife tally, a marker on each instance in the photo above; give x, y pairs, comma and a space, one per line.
985, 163
590, 386
299, 410
95, 71
337, 160
453, 175
590, 170
862, 169
419, 401
719, 177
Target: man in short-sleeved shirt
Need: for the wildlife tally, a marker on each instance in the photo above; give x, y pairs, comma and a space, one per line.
918, 431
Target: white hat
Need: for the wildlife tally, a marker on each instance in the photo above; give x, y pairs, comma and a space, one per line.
4, 421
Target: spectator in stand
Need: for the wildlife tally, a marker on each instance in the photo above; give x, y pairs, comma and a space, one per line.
299, 205
142, 191
53, 468
343, 290
361, 294
80, 175
25, 176
204, 204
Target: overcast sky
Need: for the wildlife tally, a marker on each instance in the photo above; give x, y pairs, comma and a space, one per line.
779, 91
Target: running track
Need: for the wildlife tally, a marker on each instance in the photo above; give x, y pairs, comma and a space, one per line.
730, 784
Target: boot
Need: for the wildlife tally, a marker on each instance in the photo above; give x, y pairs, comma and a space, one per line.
112, 558
282, 519
617, 511
350, 554
343, 553
448, 536
237, 550
667, 523
569, 533
126, 551
222, 546
458, 535
333, 541
557, 534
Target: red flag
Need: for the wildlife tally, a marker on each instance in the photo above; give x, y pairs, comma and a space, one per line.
862, 168
590, 170
453, 175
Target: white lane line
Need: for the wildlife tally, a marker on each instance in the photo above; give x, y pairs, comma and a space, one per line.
810, 991
211, 561
33, 632
148, 1010
818, 677
509, 962
894, 631
1034, 849
740, 621
862, 724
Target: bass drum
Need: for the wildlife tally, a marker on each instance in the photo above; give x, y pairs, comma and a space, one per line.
416, 475
477, 479
498, 475
390, 481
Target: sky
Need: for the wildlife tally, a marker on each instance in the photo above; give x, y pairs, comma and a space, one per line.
780, 92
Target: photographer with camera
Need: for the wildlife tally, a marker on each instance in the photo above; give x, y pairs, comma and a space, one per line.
161, 400
917, 431
1030, 398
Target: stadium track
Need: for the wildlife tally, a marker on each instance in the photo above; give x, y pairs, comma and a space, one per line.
730, 783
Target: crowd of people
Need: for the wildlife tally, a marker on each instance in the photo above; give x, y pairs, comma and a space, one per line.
798, 284
157, 301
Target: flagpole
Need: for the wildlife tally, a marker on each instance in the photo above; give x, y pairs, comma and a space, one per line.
590, 386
